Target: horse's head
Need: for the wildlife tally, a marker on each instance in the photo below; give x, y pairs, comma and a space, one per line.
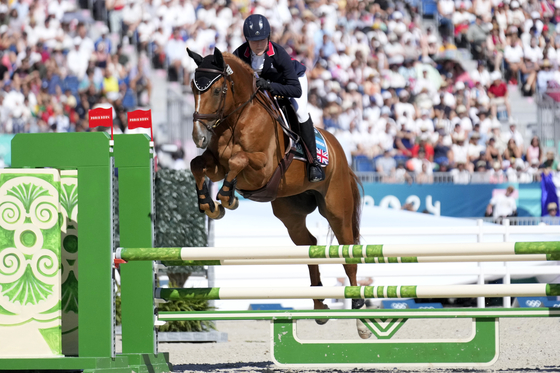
210, 87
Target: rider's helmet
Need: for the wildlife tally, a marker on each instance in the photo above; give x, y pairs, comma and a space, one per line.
256, 27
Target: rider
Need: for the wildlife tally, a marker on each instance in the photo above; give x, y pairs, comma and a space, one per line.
281, 75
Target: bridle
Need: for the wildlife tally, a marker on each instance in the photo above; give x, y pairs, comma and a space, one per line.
218, 115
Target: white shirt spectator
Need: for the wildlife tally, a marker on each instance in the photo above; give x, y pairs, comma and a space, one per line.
87, 47
460, 17
534, 54
517, 17
513, 54
474, 150
485, 126
185, 14
58, 8
543, 77
517, 137
132, 13
77, 63
447, 8
459, 153
13, 101
482, 77
402, 107
386, 140
460, 176
207, 15
175, 49
503, 206
346, 139
466, 124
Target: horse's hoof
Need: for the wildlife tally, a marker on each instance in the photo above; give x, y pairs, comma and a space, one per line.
363, 330
233, 205
218, 213
322, 321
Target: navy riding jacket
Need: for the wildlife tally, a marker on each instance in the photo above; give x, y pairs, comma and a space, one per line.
279, 68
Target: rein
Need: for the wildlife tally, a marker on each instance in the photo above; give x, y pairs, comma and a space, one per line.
218, 115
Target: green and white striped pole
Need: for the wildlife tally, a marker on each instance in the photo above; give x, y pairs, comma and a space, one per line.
339, 251
361, 292
376, 260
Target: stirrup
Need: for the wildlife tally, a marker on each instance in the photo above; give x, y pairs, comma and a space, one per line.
315, 172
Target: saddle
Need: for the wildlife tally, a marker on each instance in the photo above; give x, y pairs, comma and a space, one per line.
281, 110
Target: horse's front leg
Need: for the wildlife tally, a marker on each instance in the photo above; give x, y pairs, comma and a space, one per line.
237, 163
202, 166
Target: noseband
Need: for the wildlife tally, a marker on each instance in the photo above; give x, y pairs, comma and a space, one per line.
218, 115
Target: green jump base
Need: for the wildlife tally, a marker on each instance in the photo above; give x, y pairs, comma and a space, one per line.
481, 349
126, 363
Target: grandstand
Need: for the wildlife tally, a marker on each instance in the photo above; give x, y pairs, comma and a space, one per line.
417, 91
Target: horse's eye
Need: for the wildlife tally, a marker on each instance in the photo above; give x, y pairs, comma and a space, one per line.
216, 91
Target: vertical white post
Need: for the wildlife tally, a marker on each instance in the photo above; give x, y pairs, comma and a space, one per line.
480, 301
479, 223
507, 281
507, 277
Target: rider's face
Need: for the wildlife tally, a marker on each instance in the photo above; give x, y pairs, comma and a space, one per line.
258, 46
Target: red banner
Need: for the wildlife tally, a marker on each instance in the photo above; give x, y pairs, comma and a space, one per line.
139, 118
100, 117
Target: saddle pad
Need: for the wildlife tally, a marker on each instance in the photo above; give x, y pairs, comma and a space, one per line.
322, 151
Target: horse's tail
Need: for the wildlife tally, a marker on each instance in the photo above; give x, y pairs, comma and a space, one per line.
356, 185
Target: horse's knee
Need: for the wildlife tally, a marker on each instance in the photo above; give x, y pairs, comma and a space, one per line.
198, 164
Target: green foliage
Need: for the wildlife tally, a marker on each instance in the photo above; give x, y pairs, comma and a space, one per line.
185, 306
178, 223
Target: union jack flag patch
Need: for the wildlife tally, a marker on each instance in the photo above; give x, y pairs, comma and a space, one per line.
323, 156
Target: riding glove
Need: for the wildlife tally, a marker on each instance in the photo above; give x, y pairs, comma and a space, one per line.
264, 84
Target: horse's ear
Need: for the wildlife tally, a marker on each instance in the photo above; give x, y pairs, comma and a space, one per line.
195, 56
218, 58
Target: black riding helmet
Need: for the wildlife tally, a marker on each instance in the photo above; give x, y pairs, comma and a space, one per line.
256, 27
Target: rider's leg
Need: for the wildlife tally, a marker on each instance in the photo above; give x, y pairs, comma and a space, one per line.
315, 172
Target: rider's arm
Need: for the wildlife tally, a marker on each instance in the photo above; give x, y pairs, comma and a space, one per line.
285, 66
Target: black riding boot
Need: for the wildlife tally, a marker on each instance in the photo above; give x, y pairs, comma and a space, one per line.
314, 170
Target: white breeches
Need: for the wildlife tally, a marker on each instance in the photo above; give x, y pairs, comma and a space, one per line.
300, 104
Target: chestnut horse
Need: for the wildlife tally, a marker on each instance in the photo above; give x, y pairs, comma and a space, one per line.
244, 145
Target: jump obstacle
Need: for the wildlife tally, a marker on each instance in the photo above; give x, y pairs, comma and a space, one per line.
93, 155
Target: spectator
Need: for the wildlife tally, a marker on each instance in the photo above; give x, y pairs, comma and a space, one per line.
498, 93
534, 151
476, 35
424, 176
502, 206
446, 10
460, 174
481, 74
386, 166
513, 55
544, 76
552, 209
174, 51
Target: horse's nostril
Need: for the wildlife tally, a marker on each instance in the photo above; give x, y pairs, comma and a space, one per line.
203, 139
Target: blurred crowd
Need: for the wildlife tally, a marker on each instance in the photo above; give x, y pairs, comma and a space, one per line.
396, 94
57, 63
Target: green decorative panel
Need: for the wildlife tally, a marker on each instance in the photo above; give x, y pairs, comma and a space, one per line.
69, 261
30, 292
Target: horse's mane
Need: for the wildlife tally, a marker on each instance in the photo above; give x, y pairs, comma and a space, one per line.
239, 61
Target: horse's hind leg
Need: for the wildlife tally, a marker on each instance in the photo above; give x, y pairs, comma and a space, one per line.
293, 211
338, 207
